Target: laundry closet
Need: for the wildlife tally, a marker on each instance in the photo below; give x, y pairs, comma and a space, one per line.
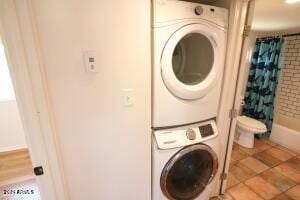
188, 63
129, 113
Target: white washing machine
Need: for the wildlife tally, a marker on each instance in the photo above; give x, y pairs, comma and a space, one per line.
185, 162
189, 41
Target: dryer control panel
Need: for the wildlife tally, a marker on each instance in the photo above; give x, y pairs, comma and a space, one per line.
187, 135
166, 11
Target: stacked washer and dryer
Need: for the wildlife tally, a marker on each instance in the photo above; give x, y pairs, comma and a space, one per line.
189, 42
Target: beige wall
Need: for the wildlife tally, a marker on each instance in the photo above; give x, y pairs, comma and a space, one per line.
105, 147
219, 3
223, 3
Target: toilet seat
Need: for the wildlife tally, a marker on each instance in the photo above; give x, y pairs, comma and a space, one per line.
251, 124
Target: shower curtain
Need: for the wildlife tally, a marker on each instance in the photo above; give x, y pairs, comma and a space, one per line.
262, 81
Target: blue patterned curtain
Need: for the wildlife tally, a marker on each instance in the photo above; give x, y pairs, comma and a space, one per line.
262, 81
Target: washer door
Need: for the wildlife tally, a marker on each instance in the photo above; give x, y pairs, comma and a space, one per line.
187, 173
190, 61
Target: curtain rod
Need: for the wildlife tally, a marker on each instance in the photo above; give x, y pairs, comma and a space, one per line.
269, 37
289, 35
272, 36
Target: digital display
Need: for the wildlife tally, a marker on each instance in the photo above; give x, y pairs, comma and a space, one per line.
206, 130
91, 59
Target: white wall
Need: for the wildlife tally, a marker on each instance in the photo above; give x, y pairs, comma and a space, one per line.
6, 87
105, 147
223, 3
11, 130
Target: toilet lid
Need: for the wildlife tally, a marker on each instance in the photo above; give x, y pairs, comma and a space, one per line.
251, 123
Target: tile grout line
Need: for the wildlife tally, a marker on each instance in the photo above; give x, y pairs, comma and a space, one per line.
277, 146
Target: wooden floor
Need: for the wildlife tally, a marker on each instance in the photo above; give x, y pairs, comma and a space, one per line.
15, 166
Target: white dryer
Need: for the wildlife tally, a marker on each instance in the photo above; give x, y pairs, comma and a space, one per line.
185, 162
189, 41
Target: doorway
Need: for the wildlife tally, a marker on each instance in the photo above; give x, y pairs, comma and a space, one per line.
22, 52
269, 168
17, 180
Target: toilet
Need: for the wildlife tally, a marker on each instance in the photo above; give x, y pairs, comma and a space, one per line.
246, 128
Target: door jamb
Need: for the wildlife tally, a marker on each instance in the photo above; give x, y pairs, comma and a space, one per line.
25, 65
235, 42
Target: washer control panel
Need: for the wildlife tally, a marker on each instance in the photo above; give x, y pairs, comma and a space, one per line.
187, 135
206, 130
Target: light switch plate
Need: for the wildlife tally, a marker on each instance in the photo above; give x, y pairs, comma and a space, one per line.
128, 99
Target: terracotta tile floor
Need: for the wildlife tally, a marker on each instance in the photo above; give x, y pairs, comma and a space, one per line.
266, 172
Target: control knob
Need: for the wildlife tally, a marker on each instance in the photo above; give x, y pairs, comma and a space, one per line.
190, 134
198, 10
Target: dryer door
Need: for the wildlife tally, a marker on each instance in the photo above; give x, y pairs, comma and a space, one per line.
192, 60
187, 173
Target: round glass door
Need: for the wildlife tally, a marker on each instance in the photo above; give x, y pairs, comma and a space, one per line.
188, 172
191, 61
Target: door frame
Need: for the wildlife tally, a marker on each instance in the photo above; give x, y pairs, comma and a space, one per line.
20, 40
239, 12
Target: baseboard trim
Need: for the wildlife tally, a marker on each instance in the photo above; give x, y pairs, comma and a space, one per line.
13, 148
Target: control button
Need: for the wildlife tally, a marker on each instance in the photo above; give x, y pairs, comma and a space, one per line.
190, 134
198, 10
